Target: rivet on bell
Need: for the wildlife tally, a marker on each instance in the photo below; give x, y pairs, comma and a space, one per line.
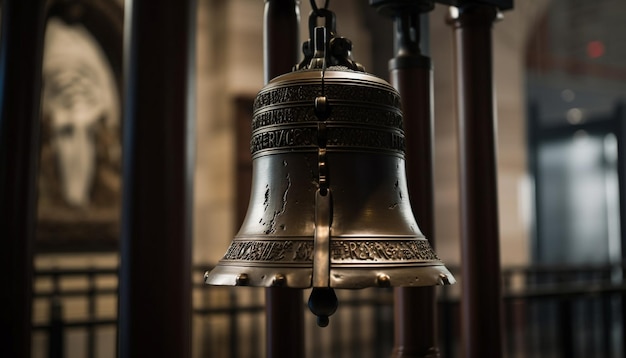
279, 280
383, 280
242, 280
444, 279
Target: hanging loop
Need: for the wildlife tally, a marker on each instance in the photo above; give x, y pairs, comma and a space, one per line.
330, 21
309, 46
316, 9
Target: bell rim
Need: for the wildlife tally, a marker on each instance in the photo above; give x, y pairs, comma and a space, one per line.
340, 277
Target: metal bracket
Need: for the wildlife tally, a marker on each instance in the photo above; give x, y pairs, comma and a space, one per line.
324, 48
500, 4
394, 8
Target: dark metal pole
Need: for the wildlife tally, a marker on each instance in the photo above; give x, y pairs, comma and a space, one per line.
411, 74
620, 117
284, 306
155, 270
481, 303
281, 39
415, 307
21, 49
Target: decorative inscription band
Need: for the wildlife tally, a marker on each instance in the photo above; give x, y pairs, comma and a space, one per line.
341, 251
388, 251
360, 115
273, 251
340, 89
300, 137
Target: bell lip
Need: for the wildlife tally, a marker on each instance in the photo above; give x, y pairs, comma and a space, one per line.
341, 276
410, 276
256, 276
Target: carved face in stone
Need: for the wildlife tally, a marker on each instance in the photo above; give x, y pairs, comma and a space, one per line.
79, 96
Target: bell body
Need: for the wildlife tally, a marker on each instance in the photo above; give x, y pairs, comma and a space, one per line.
365, 230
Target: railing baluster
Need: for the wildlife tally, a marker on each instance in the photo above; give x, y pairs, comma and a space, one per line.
234, 328
357, 329
254, 325
379, 327
566, 329
607, 325
91, 312
446, 323
205, 350
55, 332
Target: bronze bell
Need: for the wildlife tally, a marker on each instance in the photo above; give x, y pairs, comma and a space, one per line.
329, 206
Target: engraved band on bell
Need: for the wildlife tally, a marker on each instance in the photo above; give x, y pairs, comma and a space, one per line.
341, 251
305, 138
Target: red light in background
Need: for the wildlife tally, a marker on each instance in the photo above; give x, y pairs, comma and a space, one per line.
595, 49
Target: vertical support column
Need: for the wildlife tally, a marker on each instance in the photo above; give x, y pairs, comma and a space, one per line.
411, 74
281, 37
415, 307
284, 306
155, 271
21, 50
481, 304
620, 117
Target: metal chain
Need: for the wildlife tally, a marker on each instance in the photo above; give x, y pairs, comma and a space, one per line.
316, 10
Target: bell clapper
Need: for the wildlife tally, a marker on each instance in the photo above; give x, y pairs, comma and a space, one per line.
323, 303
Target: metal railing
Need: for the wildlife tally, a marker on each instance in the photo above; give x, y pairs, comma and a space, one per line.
56, 293
548, 312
